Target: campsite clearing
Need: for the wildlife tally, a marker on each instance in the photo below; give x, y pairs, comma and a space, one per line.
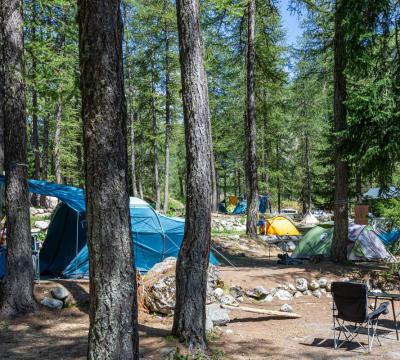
62, 334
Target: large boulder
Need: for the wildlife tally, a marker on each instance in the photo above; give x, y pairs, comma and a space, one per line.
159, 286
283, 295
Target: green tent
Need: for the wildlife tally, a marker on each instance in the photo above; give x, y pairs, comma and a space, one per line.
316, 242
363, 243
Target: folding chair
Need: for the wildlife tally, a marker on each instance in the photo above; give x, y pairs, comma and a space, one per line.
351, 306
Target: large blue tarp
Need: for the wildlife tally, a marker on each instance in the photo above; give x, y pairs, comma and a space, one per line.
65, 253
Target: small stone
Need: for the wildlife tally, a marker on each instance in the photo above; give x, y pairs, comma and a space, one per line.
234, 237
345, 279
42, 224
323, 291
301, 284
307, 293
313, 285
268, 298
236, 291
228, 300
286, 308
291, 288
317, 293
376, 291
229, 331
52, 303
328, 286
322, 283
60, 293
297, 294
218, 292
283, 295
328, 295
258, 293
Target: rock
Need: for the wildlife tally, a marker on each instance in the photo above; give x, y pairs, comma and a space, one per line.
218, 315
269, 298
328, 286
159, 286
323, 291
317, 293
209, 324
301, 284
229, 331
218, 292
297, 294
228, 300
234, 237
258, 293
307, 292
345, 279
286, 308
283, 295
60, 293
328, 295
42, 224
160, 297
322, 283
236, 291
52, 303
313, 285
291, 288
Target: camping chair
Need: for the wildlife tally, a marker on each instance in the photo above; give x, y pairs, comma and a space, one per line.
351, 306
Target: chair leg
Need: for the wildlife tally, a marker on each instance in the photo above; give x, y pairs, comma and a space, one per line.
369, 340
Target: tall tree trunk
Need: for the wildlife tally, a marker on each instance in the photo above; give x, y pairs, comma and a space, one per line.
251, 146
155, 145
131, 111
57, 142
265, 146
339, 243
192, 263
140, 172
45, 157
358, 183
16, 295
35, 133
113, 306
2, 188
214, 181
167, 120
307, 193
279, 177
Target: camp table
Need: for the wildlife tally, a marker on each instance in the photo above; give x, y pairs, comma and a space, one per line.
389, 297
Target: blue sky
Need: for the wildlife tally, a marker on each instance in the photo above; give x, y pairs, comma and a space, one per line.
291, 23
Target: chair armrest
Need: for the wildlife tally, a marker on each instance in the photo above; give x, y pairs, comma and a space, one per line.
381, 309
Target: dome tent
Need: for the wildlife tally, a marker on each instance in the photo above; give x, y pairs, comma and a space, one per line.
65, 254
363, 243
281, 226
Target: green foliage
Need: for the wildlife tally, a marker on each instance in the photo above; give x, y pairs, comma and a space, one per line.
390, 209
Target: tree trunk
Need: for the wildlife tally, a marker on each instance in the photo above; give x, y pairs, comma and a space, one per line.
57, 142
358, 184
45, 158
2, 188
167, 121
132, 113
113, 306
251, 146
339, 243
278, 178
140, 175
307, 193
215, 199
35, 133
16, 295
155, 145
192, 263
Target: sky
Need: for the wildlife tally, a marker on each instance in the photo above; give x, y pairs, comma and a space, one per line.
291, 23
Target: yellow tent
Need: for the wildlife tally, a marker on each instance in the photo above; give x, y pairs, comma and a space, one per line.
281, 226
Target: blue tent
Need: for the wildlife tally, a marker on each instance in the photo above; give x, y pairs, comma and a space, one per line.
65, 253
389, 237
241, 206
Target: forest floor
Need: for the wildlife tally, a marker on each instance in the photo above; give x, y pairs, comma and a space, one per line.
62, 334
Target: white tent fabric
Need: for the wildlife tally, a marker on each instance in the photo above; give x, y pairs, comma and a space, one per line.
310, 219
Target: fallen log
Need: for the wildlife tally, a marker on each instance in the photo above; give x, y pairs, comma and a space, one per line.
281, 314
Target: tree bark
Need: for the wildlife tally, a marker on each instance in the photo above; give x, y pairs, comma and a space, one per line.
140, 175
131, 111
278, 178
113, 306
57, 142
358, 183
16, 295
192, 263
45, 157
339, 243
2, 189
307, 193
251, 146
215, 199
155, 145
167, 121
